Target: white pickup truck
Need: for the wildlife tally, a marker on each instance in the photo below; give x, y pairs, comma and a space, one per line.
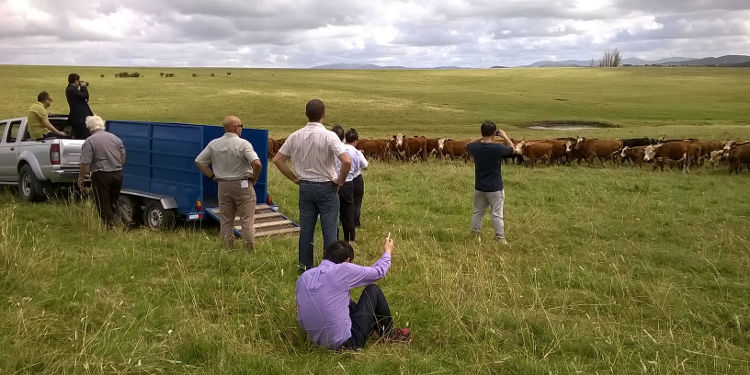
37, 167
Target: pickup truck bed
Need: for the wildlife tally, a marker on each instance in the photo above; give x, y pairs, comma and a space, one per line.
37, 166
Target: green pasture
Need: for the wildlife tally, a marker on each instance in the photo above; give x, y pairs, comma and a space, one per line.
614, 270
699, 102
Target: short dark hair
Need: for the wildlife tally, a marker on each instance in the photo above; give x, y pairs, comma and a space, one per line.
72, 77
42, 96
488, 128
352, 135
315, 110
339, 251
339, 131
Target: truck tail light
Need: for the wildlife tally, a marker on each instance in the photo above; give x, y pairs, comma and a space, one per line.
198, 206
54, 153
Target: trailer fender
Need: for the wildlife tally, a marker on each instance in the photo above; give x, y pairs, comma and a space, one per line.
166, 202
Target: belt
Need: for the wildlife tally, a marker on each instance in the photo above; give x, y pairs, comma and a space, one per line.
232, 179
315, 182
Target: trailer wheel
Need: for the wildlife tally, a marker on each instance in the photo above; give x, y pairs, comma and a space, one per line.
154, 216
130, 210
29, 187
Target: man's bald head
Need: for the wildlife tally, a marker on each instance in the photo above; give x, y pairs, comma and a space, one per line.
231, 124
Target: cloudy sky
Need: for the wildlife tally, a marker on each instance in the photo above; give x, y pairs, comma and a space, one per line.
412, 33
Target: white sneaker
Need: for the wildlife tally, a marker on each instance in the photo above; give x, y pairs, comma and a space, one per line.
502, 241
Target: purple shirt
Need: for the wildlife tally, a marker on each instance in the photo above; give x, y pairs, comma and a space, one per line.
323, 298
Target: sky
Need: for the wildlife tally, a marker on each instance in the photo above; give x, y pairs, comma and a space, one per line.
307, 33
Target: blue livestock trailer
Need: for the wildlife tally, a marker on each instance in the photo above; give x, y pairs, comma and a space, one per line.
161, 183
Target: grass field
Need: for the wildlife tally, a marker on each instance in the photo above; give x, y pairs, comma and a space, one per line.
700, 102
609, 270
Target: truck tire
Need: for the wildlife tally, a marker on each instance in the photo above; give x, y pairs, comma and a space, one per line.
130, 210
156, 217
29, 187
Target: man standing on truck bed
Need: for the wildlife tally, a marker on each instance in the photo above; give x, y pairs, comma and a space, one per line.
104, 154
77, 94
236, 167
38, 119
312, 150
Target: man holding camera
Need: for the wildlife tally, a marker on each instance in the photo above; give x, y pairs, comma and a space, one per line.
77, 94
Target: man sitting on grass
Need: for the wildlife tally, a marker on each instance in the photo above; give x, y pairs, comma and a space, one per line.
326, 312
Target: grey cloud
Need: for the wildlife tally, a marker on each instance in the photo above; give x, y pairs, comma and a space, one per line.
692, 26
680, 6
289, 33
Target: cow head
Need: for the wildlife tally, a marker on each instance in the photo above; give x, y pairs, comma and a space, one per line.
728, 146
399, 140
441, 144
716, 157
569, 146
519, 147
622, 153
650, 151
579, 141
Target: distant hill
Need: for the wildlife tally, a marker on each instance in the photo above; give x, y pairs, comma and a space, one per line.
346, 66
625, 61
557, 64
727, 60
356, 66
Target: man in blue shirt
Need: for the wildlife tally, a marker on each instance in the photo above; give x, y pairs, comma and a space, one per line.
488, 180
325, 310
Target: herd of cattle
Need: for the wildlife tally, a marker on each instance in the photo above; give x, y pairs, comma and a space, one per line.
634, 151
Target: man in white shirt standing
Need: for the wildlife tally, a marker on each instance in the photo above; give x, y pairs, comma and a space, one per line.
235, 166
312, 151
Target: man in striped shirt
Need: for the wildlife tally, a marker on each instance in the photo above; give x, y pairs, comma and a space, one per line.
312, 151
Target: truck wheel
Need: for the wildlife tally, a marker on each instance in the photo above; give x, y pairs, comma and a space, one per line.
130, 209
29, 187
154, 216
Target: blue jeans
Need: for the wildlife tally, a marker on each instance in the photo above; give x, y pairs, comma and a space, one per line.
316, 199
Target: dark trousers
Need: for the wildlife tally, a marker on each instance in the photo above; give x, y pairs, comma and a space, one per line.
346, 210
359, 192
107, 187
80, 131
316, 199
370, 313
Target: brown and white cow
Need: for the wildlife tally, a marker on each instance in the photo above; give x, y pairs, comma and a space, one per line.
415, 148
456, 149
396, 146
602, 149
274, 145
374, 148
673, 152
633, 155
706, 148
435, 147
738, 155
531, 151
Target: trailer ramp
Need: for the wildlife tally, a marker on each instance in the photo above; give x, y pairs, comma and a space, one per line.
268, 221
